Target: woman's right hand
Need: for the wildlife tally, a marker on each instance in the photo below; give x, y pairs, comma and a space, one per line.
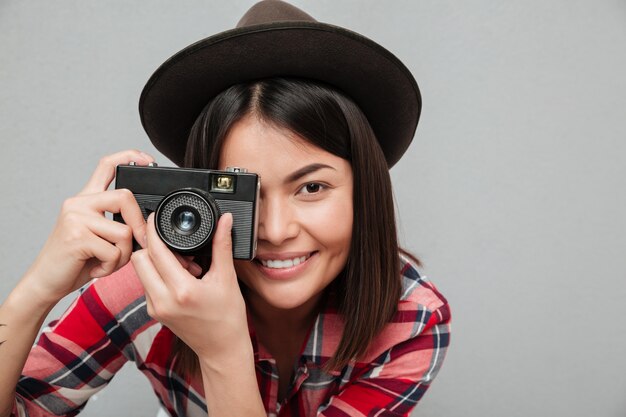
84, 243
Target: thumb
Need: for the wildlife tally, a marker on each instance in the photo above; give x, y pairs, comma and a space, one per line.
222, 255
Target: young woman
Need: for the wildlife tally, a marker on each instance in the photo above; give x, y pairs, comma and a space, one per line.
330, 318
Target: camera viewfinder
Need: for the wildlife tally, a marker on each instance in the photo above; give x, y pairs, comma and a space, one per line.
223, 183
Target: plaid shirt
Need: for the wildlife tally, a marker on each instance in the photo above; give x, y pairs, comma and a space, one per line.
108, 325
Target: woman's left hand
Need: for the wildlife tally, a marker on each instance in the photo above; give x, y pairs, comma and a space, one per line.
208, 314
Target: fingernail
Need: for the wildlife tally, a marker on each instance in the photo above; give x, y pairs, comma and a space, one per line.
231, 221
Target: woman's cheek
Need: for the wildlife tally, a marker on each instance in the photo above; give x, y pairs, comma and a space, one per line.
329, 221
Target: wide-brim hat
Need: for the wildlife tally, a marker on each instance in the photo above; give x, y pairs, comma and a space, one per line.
274, 39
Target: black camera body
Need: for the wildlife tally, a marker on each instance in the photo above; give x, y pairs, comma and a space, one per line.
187, 203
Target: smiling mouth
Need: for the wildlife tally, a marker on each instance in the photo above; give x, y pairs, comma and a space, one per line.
284, 263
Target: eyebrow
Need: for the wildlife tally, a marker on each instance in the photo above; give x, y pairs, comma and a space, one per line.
306, 170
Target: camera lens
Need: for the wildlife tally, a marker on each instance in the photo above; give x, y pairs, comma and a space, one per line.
185, 219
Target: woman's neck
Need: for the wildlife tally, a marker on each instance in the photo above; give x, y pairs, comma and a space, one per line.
291, 321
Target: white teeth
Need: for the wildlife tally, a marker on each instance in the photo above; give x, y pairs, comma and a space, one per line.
285, 263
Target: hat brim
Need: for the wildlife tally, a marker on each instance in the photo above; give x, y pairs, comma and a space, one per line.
373, 77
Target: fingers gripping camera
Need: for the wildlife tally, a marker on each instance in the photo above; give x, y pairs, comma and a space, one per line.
187, 203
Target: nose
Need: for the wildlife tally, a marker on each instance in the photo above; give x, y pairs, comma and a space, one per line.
277, 221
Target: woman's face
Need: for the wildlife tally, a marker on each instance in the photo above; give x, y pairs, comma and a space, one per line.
305, 214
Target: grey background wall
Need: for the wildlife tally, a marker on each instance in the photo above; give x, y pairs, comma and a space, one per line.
512, 194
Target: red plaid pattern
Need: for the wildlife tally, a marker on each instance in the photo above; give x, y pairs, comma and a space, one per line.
108, 325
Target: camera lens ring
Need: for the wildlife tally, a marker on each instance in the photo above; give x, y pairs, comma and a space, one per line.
186, 219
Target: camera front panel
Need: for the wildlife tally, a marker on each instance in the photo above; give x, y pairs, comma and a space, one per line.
243, 226
233, 192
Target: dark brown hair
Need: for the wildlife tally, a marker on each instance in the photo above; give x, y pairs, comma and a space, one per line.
369, 287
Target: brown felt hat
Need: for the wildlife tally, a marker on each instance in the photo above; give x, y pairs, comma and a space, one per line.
273, 39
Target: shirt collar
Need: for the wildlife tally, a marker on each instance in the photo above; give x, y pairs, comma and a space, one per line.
320, 344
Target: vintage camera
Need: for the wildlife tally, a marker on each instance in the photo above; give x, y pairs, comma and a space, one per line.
187, 203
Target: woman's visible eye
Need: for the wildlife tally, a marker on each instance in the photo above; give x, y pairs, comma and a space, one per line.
311, 188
